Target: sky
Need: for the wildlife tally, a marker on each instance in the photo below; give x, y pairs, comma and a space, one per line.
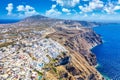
89, 10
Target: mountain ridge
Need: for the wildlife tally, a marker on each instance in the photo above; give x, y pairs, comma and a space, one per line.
38, 20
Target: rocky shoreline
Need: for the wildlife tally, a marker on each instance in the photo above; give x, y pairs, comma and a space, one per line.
79, 43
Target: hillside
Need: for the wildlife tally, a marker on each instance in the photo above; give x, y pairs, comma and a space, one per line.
42, 48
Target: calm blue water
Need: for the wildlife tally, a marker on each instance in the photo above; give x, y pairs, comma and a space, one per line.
108, 53
8, 21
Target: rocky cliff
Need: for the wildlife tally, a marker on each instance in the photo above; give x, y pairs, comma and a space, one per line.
79, 42
77, 63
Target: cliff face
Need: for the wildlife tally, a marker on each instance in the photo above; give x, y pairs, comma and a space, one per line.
79, 43
77, 63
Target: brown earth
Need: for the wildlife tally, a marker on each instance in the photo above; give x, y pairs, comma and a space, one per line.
78, 43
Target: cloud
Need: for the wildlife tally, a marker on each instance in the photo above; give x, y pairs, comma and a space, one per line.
53, 11
118, 1
26, 10
108, 7
111, 8
85, 15
9, 8
69, 13
20, 8
117, 7
85, 9
65, 10
53, 6
94, 4
67, 3
85, 0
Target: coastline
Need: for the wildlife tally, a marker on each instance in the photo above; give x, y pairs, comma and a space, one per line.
105, 77
98, 65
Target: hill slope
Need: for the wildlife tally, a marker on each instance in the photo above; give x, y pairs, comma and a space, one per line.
50, 49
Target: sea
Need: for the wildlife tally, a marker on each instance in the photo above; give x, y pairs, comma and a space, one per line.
108, 53
4, 21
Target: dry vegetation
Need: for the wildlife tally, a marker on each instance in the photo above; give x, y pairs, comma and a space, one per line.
6, 44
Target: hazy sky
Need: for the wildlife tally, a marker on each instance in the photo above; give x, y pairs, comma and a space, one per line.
68, 9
